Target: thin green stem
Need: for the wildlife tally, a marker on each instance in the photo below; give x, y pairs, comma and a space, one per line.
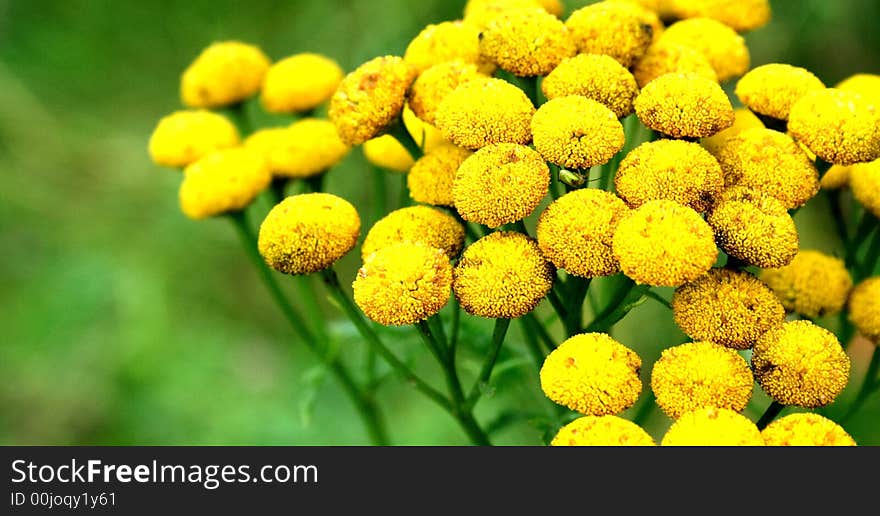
520, 226
657, 297
532, 342
646, 409
456, 327
315, 183
239, 115
770, 414
403, 200
541, 332
869, 385
555, 189
400, 133
862, 232
557, 304
498, 334
625, 298
278, 188
869, 262
578, 288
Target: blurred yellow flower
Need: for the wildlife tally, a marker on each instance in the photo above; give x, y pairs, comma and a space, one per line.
813, 284
185, 136
222, 181
301, 82
224, 73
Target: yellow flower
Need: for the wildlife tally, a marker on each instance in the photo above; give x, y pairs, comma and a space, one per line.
744, 119
403, 283
185, 136
443, 42
865, 84
664, 57
602, 431
426, 135
500, 184
485, 111
223, 181
306, 148
576, 132
370, 98
801, 364
813, 284
307, 233
575, 232
435, 83
754, 227
684, 105
430, 180
593, 374
597, 77
806, 429
841, 127
698, 375
617, 29
526, 42
773, 88
727, 307
864, 308
864, 180
388, 153
669, 169
740, 15
771, 162
722, 46
554, 7
223, 74
418, 224
300, 82
479, 13
664, 243
712, 426
836, 177
503, 274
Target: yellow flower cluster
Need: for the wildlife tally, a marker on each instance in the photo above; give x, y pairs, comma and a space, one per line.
224, 73
300, 83
306, 148
185, 136
479, 13
223, 181
576, 132
839, 126
617, 29
684, 106
712, 426
806, 429
526, 42
813, 284
418, 224
431, 178
597, 77
602, 431
864, 308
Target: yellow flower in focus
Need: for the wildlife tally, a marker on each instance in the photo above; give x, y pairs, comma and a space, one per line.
865, 84
306, 148
485, 111
814, 284
684, 105
744, 119
370, 98
620, 30
307, 233
739, 15
864, 180
185, 136
479, 13
712, 426
502, 274
576, 132
722, 46
664, 57
431, 178
403, 284
602, 431
224, 73
727, 307
301, 82
593, 374
801, 364
435, 83
594, 76
526, 42
388, 153
443, 42
864, 308
669, 169
773, 88
500, 184
806, 429
223, 181
839, 126
417, 224
663, 243
754, 227
575, 232
836, 177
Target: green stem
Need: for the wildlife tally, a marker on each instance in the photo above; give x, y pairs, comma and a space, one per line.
456, 326
530, 87
278, 188
315, 183
404, 199
625, 298
532, 341
646, 409
400, 133
520, 226
557, 304
871, 256
238, 113
770, 414
868, 385
837, 215
578, 289
657, 297
541, 332
501, 326
862, 232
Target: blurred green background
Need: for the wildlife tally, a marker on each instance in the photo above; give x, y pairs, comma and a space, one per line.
122, 322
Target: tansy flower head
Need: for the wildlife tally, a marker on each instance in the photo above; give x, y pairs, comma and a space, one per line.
223, 74
300, 83
664, 57
722, 46
865, 84
419, 224
813, 284
306, 148
426, 135
684, 105
701, 374
839, 126
430, 180
864, 308
485, 111
602, 431
806, 429
771, 89
446, 41
836, 177
617, 29
576, 132
307, 233
727, 307
554, 7
185, 136
744, 119
865, 183
597, 77
593, 374
669, 169
712, 426
801, 364
500, 184
388, 153
770, 162
479, 13
664, 243
739, 15
526, 42
223, 181
432, 86
575, 232
370, 98
403, 283
503, 274
754, 227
